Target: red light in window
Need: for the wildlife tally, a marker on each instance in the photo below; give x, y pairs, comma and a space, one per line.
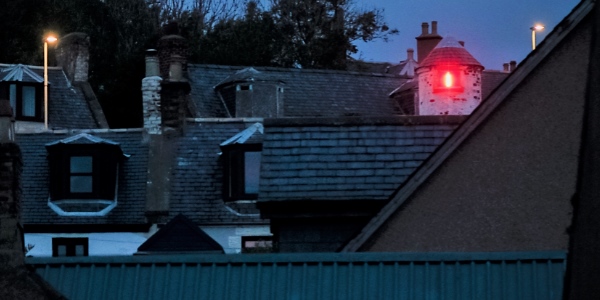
448, 80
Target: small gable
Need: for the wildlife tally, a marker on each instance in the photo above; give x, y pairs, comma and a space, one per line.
180, 235
20, 73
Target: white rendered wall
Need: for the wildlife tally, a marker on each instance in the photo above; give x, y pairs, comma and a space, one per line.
449, 103
127, 243
100, 244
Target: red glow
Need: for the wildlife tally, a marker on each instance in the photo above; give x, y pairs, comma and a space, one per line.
448, 80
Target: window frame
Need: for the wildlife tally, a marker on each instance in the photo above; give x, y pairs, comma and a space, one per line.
18, 105
70, 244
234, 186
105, 166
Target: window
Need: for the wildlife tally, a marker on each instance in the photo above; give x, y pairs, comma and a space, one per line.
70, 247
83, 172
242, 171
448, 80
25, 99
257, 244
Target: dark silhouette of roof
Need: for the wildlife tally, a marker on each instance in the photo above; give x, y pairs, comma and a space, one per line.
180, 235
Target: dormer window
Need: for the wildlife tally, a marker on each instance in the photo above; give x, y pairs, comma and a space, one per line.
24, 88
83, 175
242, 171
241, 164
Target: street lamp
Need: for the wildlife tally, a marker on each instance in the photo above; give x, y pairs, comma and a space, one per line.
536, 27
48, 39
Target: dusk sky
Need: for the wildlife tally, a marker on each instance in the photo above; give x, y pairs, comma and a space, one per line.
495, 32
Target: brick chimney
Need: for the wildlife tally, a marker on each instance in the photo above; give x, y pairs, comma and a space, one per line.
165, 93
427, 41
73, 55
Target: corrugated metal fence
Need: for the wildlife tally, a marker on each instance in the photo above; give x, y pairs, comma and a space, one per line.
530, 275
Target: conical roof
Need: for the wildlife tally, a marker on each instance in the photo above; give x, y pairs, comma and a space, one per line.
449, 52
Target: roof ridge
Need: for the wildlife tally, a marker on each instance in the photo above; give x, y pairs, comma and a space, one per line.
282, 69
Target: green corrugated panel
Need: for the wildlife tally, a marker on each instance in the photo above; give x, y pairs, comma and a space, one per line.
530, 275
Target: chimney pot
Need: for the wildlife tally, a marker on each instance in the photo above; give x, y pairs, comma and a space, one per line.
434, 27
410, 52
513, 65
152, 65
424, 28
176, 68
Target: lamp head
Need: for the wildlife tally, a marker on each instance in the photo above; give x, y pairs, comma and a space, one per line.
50, 39
537, 27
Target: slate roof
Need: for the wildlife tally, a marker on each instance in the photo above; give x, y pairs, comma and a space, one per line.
197, 182
197, 176
346, 159
67, 105
131, 185
308, 93
473, 122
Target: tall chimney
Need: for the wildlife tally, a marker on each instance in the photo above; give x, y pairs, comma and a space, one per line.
73, 55
426, 41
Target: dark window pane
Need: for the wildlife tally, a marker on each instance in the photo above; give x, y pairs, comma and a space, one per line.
81, 164
28, 105
81, 184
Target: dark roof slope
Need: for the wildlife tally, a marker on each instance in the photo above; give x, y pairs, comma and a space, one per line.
67, 105
346, 159
131, 186
197, 175
308, 93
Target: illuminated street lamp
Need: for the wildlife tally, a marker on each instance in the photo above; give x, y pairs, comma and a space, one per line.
48, 39
536, 27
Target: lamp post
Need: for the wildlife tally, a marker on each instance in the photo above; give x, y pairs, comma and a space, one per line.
536, 27
48, 39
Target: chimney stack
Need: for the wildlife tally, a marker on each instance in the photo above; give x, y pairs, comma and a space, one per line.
505, 67
427, 41
73, 55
